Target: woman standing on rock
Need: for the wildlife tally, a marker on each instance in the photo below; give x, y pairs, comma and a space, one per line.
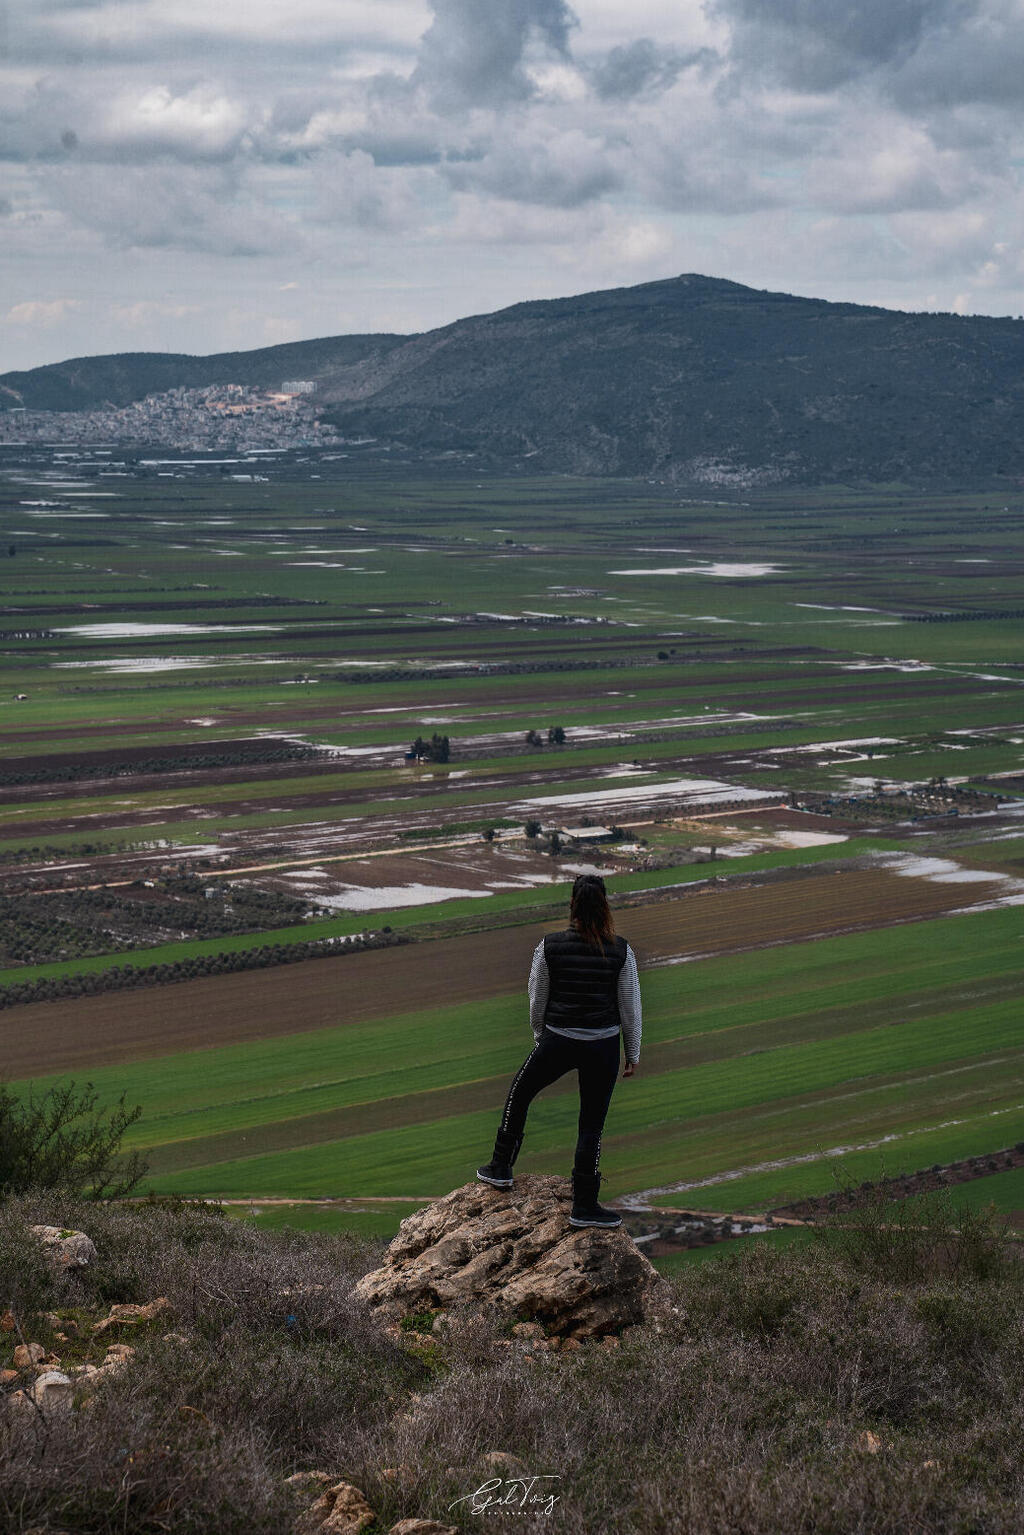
584, 989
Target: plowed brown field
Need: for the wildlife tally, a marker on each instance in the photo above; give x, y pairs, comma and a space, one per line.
47, 1038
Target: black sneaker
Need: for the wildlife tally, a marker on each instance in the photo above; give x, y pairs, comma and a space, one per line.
498, 1171
585, 1209
497, 1174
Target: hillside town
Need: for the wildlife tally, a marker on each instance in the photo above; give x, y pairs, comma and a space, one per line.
218, 416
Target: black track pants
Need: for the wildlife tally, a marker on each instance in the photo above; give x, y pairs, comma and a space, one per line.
596, 1061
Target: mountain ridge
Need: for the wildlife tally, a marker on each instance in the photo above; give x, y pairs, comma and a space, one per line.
691, 378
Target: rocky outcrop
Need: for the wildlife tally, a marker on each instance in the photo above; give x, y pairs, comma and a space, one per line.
341, 1509
66, 1249
514, 1252
130, 1315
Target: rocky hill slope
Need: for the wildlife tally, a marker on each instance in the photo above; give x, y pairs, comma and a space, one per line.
165, 1368
690, 379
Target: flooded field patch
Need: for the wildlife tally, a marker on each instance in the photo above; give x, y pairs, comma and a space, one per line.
734, 570
392, 881
156, 631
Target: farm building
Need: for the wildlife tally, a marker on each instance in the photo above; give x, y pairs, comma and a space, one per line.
581, 834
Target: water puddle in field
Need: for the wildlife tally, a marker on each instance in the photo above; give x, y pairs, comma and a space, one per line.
410, 878
696, 790
833, 746
581, 868
1003, 889
834, 607
713, 618
128, 664
731, 570
153, 631
884, 666
642, 1199
392, 897
785, 837
790, 838
943, 871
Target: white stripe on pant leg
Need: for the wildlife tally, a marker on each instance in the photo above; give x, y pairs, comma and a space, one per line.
515, 1079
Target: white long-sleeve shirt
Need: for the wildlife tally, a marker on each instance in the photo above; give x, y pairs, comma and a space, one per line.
630, 1010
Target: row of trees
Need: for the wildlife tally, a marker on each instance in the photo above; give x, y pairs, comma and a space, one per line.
71, 924
374, 675
556, 736
131, 977
965, 616
62, 772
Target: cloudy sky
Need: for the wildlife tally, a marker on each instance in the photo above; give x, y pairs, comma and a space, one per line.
204, 175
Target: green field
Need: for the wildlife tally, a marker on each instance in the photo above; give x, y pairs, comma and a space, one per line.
793, 643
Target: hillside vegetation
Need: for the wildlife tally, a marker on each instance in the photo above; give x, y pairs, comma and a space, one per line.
869, 1382
691, 378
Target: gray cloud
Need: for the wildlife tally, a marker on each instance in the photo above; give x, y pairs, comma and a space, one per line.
980, 62
921, 54
191, 208
352, 190
817, 45
476, 52
562, 170
643, 68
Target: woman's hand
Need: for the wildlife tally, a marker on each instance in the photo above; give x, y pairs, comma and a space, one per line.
629, 1068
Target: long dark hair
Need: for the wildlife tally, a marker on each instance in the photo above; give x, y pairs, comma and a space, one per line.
589, 911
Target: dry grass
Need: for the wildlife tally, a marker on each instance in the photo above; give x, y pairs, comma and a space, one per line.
750, 1413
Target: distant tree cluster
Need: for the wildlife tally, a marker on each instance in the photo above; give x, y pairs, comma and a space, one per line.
555, 736
437, 749
936, 797
131, 977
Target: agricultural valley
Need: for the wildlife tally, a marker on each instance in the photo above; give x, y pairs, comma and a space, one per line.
300, 753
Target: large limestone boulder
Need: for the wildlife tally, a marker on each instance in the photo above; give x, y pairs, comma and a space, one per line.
514, 1251
65, 1249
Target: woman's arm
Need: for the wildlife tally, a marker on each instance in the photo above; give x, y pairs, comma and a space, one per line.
630, 1008
540, 986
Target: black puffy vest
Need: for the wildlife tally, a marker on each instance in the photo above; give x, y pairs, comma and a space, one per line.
584, 981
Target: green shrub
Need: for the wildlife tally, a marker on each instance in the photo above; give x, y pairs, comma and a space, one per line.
61, 1139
